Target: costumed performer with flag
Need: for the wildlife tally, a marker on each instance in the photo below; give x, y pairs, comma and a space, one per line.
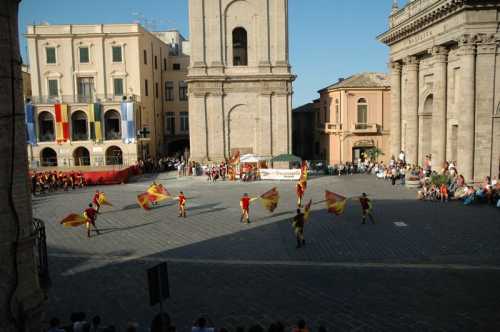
367, 207
182, 205
298, 228
299, 190
335, 203
91, 215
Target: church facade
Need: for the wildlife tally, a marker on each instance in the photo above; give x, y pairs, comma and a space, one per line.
240, 81
445, 78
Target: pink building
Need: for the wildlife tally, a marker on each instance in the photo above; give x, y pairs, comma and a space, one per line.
354, 117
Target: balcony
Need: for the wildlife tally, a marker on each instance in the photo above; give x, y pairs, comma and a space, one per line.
366, 128
331, 128
70, 99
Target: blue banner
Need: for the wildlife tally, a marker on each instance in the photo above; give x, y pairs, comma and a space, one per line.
29, 111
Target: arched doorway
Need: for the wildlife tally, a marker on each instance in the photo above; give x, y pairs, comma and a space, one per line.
426, 128
81, 156
46, 127
112, 122
79, 126
241, 129
114, 156
48, 158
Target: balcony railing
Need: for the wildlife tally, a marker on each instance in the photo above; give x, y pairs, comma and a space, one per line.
70, 99
333, 127
366, 128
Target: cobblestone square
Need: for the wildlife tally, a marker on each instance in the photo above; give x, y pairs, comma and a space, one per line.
439, 272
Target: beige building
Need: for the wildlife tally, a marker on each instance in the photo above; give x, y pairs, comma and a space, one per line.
176, 93
354, 117
444, 60
82, 73
26, 76
240, 83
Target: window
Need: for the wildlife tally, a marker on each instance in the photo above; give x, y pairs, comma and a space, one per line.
164, 64
337, 111
84, 55
170, 123
145, 57
156, 62
85, 89
117, 54
183, 91
53, 88
156, 90
169, 91
240, 47
362, 111
184, 121
118, 86
176, 66
50, 53
146, 89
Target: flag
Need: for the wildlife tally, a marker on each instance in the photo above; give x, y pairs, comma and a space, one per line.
303, 176
335, 202
95, 122
103, 200
62, 124
235, 159
307, 210
270, 200
143, 200
74, 220
158, 193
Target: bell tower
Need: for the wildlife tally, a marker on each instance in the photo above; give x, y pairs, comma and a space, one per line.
240, 80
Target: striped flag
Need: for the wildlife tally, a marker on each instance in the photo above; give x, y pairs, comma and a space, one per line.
158, 193
335, 202
62, 124
270, 200
95, 122
103, 200
144, 202
74, 220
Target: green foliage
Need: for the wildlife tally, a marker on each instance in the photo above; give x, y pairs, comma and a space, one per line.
374, 153
439, 179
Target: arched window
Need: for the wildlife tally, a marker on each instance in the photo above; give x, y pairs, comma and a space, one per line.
79, 126
337, 111
81, 156
46, 127
240, 47
362, 111
112, 125
114, 156
48, 157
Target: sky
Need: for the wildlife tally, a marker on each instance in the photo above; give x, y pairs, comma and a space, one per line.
329, 39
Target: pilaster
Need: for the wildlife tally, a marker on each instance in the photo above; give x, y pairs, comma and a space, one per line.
215, 122
395, 108
198, 126
264, 125
410, 111
438, 148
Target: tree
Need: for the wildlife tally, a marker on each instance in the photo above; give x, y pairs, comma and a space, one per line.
374, 153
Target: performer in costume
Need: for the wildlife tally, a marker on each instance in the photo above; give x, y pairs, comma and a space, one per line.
95, 200
91, 215
245, 208
182, 205
366, 206
299, 190
298, 228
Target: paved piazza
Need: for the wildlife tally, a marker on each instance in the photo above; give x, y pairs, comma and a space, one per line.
440, 272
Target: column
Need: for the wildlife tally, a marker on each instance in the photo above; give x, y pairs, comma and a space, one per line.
485, 94
215, 120
264, 125
280, 123
198, 126
197, 29
465, 160
440, 58
280, 19
395, 108
214, 56
411, 109
264, 45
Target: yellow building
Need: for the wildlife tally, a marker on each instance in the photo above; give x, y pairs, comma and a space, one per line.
354, 117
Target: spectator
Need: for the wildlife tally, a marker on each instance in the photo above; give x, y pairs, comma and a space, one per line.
301, 327
200, 325
96, 321
54, 325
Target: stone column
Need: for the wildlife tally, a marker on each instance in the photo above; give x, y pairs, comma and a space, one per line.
198, 126
438, 148
215, 120
485, 99
395, 108
280, 123
264, 124
214, 56
197, 29
411, 109
466, 126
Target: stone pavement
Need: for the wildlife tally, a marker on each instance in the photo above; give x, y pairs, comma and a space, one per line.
439, 272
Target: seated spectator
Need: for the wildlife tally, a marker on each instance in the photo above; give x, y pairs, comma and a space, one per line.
469, 196
301, 327
200, 325
54, 325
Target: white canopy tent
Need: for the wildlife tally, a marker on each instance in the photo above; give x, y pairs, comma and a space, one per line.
251, 158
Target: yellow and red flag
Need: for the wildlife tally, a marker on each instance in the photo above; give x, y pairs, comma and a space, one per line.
303, 176
103, 200
235, 159
158, 193
335, 202
307, 210
270, 200
74, 220
144, 202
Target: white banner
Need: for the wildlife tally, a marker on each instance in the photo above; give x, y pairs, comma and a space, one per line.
280, 174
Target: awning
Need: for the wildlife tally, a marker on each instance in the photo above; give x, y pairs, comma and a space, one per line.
251, 158
287, 158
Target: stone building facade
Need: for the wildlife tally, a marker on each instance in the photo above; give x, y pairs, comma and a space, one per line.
445, 72
354, 117
240, 81
304, 137
83, 65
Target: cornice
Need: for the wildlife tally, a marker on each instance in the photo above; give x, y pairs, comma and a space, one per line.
430, 16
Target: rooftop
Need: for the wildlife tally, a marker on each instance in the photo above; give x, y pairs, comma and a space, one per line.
363, 80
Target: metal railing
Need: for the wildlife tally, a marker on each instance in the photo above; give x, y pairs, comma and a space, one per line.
76, 99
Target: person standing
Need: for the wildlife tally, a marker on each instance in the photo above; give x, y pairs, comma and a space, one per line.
366, 206
245, 208
299, 190
91, 215
95, 200
182, 205
298, 228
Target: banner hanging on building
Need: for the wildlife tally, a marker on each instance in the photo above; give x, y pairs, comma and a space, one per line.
29, 111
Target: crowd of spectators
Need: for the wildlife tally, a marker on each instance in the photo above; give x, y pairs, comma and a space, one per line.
52, 181
162, 323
